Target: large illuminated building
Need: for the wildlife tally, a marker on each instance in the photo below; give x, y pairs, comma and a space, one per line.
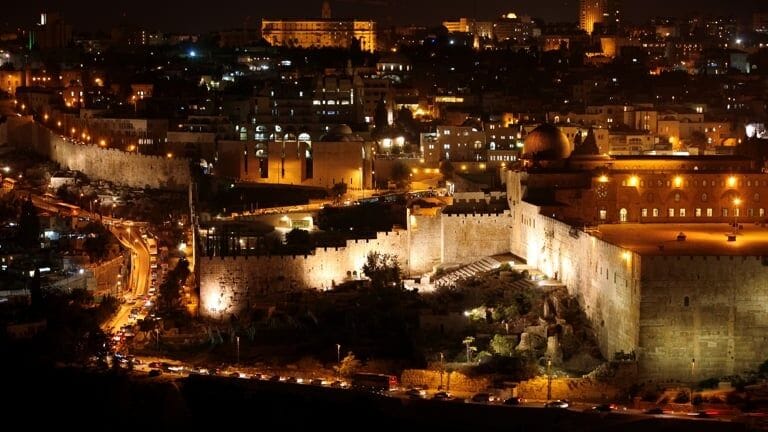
602, 15
320, 33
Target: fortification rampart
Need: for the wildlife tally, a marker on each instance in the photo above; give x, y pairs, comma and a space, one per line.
230, 285
425, 241
604, 277
703, 316
128, 169
470, 237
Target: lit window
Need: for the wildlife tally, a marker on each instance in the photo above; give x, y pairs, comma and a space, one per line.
724, 212
644, 212
671, 212
603, 214
761, 212
709, 212
697, 212
655, 212
682, 212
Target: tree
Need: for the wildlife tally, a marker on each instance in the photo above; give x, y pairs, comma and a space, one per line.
400, 174
698, 140
447, 169
170, 295
338, 190
502, 345
29, 226
349, 365
382, 269
298, 238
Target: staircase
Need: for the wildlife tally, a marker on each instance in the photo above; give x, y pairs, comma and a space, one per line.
467, 271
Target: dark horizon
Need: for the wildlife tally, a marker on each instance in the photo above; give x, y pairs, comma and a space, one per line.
198, 17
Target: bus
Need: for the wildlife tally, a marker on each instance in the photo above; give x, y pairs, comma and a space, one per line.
374, 382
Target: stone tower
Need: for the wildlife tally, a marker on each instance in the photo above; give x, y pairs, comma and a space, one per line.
326, 13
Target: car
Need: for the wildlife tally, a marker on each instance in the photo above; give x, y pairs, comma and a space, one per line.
275, 378
292, 380
155, 373
257, 376
654, 410
339, 384
603, 408
155, 365
700, 414
316, 381
483, 398
442, 395
416, 393
513, 401
234, 375
557, 404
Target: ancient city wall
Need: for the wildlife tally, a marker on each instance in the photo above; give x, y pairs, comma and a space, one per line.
604, 277
230, 285
470, 237
123, 168
703, 316
425, 242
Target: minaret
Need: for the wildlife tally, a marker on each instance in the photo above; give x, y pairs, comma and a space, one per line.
326, 14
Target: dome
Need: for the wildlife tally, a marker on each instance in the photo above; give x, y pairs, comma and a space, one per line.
546, 142
339, 133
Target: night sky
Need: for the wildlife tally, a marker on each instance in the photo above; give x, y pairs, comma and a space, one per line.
202, 16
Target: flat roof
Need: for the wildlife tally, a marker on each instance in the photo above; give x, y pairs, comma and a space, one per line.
700, 239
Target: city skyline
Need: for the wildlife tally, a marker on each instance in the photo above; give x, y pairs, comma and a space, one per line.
191, 16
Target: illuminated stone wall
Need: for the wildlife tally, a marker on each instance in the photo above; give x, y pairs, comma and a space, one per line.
604, 277
425, 242
703, 317
470, 237
230, 285
123, 168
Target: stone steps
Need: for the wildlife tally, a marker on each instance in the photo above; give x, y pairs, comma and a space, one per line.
467, 271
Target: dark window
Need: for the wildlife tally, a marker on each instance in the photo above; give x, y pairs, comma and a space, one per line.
686, 301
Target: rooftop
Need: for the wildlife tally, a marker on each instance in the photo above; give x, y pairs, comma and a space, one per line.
700, 239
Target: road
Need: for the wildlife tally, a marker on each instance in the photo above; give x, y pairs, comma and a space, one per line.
128, 233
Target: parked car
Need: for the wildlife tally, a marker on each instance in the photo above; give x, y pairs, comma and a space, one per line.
442, 395
557, 404
483, 398
513, 401
654, 410
603, 408
416, 393
155, 373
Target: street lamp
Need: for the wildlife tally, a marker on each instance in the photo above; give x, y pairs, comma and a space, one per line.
736, 204
442, 369
549, 379
237, 339
338, 353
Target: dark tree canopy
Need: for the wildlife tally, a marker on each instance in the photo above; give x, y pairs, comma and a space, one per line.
29, 226
383, 270
170, 290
